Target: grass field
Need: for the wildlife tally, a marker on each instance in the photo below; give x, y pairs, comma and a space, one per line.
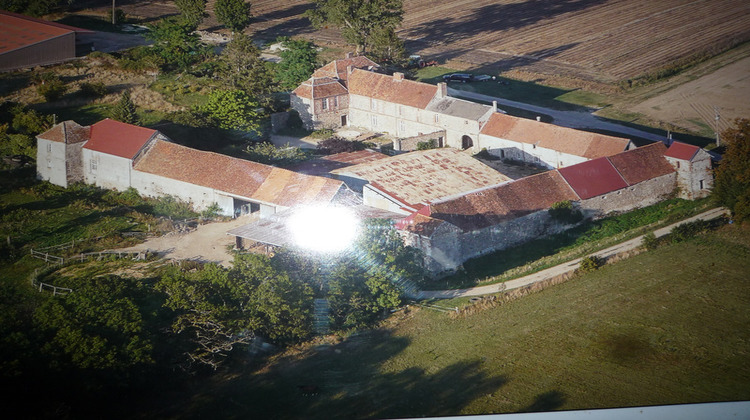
669, 326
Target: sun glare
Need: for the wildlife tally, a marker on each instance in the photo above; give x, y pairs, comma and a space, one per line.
324, 229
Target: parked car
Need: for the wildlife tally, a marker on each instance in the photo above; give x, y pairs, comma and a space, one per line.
457, 77
481, 78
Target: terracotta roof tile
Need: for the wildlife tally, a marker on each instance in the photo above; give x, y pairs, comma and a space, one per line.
493, 205
117, 138
320, 88
423, 176
236, 176
67, 132
337, 68
549, 136
682, 151
389, 89
642, 164
593, 178
326, 164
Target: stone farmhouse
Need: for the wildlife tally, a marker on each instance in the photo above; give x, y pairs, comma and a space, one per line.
115, 155
454, 229
351, 92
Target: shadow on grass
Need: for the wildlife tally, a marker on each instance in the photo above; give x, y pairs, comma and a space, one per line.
547, 401
345, 381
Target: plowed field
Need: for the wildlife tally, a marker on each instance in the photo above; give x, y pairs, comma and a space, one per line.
597, 40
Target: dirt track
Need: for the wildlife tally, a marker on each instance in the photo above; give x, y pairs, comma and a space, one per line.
207, 243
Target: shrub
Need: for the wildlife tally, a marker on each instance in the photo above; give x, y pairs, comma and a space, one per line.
590, 263
335, 145
688, 230
565, 212
95, 90
52, 90
426, 145
323, 133
650, 242
212, 211
119, 16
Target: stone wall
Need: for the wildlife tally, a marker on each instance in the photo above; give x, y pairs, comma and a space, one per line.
529, 153
694, 178
105, 170
50, 162
640, 195
410, 143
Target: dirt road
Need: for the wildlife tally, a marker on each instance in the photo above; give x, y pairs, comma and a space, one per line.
207, 243
559, 269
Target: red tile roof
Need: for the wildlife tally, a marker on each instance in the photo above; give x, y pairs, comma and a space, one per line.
563, 139
326, 164
338, 68
320, 88
491, 206
682, 151
18, 31
118, 138
389, 89
67, 132
420, 177
236, 176
642, 164
593, 178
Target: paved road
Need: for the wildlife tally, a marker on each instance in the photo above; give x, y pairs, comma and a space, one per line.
572, 119
562, 268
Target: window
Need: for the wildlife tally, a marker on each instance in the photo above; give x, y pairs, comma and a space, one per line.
678, 164
401, 127
437, 118
335, 102
92, 165
400, 111
374, 121
324, 103
49, 147
700, 183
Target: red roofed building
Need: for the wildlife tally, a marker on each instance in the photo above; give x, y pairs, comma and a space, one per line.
694, 169
29, 42
112, 148
454, 229
58, 153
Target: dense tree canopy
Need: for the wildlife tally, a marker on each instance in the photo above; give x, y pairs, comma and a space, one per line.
299, 58
234, 14
358, 20
124, 110
243, 68
192, 11
177, 44
732, 186
233, 110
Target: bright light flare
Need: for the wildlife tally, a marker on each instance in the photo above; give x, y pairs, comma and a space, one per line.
324, 229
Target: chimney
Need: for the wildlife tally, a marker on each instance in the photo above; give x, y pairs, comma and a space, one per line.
349, 70
494, 106
442, 90
398, 76
349, 54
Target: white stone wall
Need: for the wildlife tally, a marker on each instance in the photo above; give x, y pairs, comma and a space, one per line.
201, 198
387, 117
524, 152
50, 162
303, 107
106, 171
694, 178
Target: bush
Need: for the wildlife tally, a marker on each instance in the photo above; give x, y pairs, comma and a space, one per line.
323, 133
338, 145
427, 145
189, 118
688, 230
590, 263
212, 211
119, 16
650, 242
94, 90
269, 154
52, 90
565, 212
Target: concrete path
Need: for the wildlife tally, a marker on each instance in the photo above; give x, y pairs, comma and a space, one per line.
571, 119
562, 268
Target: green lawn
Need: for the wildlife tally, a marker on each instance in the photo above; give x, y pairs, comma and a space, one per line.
665, 327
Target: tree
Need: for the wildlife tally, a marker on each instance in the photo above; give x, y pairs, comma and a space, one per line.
358, 20
192, 11
233, 110
243, 68
234, 14
732, 186
99, 326
51, 87
124, 110
387, 47
299, 58
280, 156
339, 145
176, 42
